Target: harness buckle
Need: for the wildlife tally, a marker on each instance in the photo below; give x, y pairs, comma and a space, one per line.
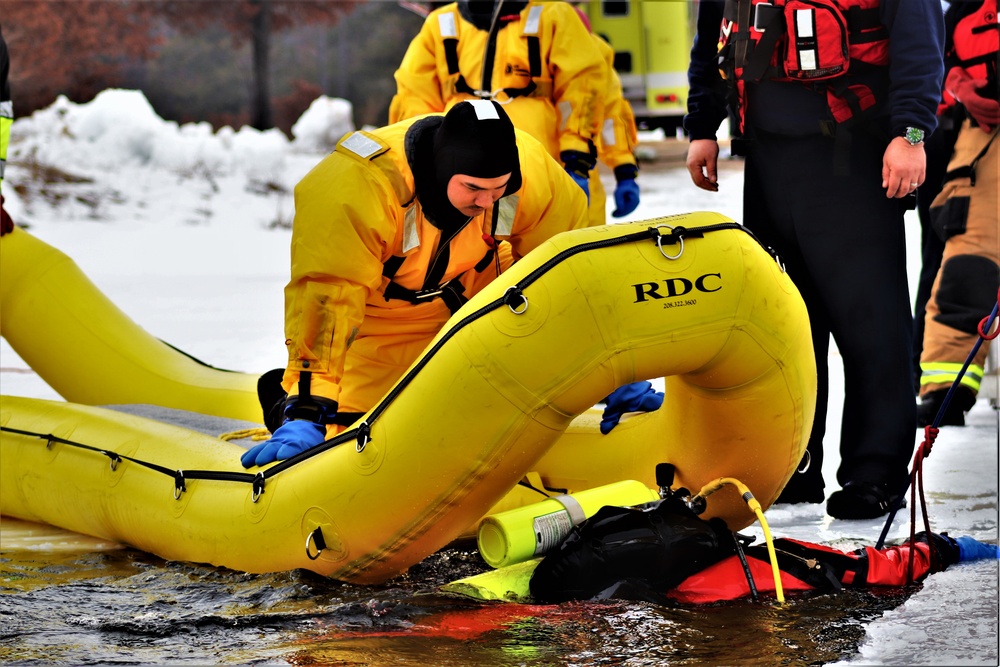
763, 12
506, 98
428, 293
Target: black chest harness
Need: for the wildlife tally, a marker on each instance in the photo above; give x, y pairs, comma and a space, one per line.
452, 292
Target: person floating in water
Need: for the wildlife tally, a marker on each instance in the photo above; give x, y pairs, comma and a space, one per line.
664, 552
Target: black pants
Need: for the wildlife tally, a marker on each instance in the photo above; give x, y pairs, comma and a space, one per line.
844, 246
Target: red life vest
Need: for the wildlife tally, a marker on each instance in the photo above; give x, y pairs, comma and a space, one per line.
976, 41
816, 42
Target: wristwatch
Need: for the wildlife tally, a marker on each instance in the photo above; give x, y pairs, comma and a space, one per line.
914, 135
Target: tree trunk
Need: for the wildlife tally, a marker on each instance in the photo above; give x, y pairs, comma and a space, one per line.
260, 114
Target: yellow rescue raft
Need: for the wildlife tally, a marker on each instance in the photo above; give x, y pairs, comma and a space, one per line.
694, 299
90, 352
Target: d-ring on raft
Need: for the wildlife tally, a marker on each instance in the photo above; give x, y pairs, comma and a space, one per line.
501, 391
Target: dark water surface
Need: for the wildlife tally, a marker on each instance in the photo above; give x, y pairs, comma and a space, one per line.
121, 606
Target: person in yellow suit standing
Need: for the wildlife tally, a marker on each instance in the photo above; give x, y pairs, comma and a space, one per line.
535, 58
393, 232
619, 136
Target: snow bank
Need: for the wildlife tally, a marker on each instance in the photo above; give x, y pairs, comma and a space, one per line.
119, 129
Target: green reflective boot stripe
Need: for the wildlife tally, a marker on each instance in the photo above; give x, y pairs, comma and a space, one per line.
947, 373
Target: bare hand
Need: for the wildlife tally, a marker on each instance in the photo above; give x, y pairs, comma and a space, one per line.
703, 163
904, 168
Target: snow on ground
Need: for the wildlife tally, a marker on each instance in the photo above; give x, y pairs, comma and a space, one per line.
187, 231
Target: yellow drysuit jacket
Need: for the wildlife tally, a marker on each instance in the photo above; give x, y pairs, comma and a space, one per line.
566, 108
356, 210
619, 134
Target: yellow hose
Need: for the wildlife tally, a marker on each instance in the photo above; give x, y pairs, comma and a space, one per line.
755, 507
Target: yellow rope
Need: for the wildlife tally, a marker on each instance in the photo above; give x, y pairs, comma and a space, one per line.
256, 434
755, 507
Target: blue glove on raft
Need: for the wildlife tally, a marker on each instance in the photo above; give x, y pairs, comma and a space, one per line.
626, 197
582, 182
972, 549
634, 397
291, 438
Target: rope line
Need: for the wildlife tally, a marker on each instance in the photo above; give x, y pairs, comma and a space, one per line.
114, 456
930, 435
255, 434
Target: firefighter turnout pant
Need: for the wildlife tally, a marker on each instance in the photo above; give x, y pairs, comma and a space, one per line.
964, 214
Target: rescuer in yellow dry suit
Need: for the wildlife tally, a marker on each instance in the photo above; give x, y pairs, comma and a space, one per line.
618, 138
393, 232
536, 58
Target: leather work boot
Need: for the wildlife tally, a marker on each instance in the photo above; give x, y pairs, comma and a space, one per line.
860, 500
954, 415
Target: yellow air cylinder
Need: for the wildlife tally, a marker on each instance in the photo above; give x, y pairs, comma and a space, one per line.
520, 534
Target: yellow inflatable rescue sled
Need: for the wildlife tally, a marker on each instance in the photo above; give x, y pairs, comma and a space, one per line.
91, 352
505, 389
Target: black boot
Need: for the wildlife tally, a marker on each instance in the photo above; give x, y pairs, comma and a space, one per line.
954, 415
860, 500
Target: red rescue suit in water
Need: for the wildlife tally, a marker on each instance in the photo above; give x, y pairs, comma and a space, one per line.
806, 566
663, 551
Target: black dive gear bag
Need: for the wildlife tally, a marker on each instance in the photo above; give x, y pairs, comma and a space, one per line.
635, 553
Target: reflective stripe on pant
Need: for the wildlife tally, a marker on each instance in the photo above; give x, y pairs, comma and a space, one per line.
945, 373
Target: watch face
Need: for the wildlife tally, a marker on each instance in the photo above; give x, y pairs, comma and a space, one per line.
914, 135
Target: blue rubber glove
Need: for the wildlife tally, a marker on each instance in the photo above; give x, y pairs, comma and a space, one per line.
634, 397
289, 439
582, 182
626, 197
972, 549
